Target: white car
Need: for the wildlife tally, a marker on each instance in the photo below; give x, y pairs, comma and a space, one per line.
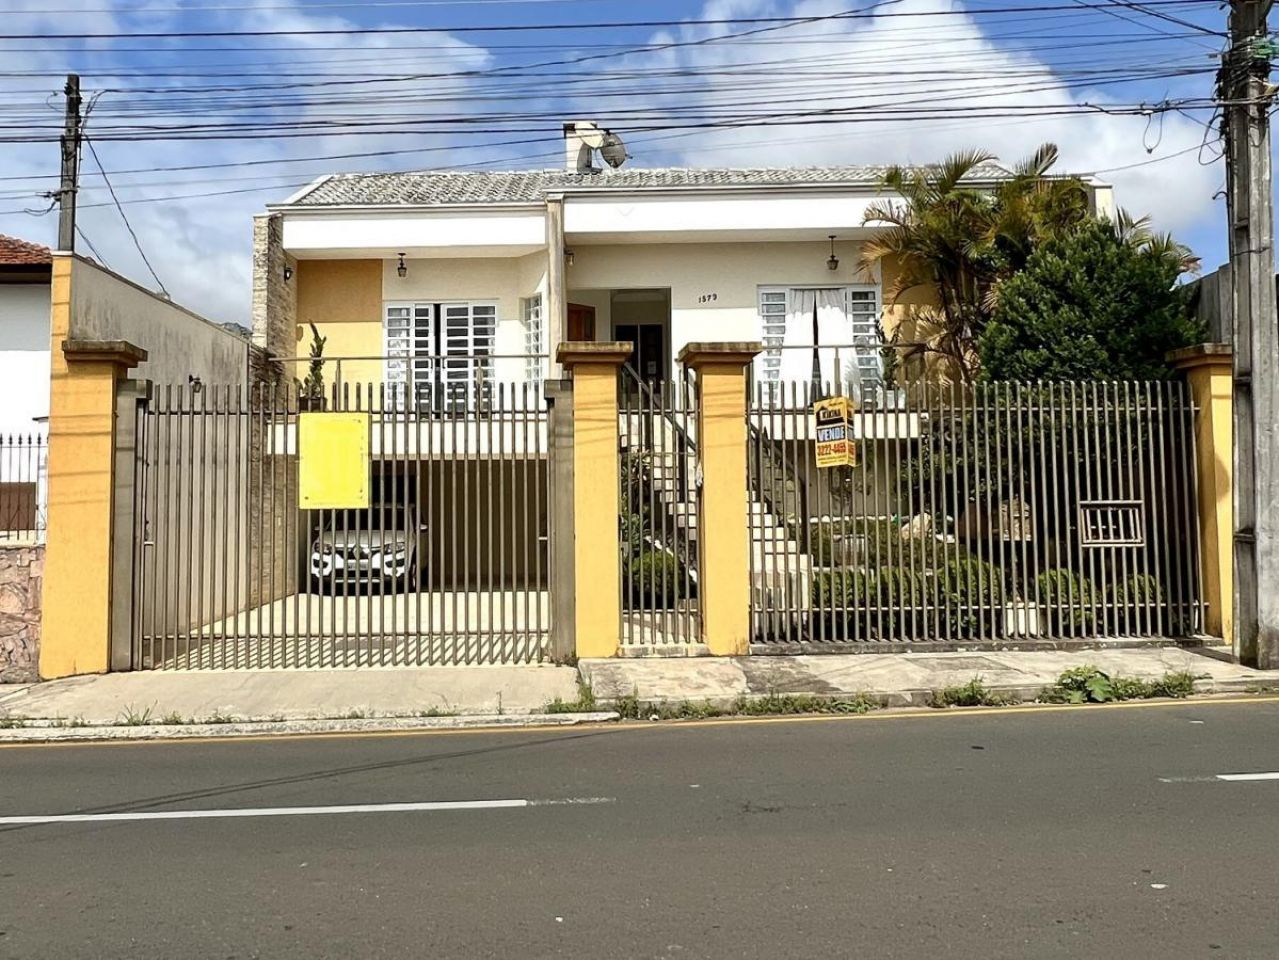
365, 552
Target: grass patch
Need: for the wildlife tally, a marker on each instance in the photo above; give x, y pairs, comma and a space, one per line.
133, 717
173, 719
974, 693
220, 717
631, 707
1088, 684
437, 712
585, 702
12, 723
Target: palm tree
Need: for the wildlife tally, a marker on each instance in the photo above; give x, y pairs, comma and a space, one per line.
953, 237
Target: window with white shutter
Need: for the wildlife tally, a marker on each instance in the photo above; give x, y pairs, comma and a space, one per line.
440, 352
772, 315
861, 306
468, 332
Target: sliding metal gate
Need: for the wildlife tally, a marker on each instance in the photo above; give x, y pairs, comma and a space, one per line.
448, 565
1001, 512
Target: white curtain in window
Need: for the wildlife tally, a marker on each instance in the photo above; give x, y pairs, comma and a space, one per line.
835, 327
797, 364
822, 313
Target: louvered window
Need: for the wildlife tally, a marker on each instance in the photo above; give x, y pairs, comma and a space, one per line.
440, 353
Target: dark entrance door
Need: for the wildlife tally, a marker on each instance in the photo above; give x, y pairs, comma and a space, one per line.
648, 362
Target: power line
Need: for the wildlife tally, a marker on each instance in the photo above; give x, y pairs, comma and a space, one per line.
128, 226
304, 7
559, 27
89, 243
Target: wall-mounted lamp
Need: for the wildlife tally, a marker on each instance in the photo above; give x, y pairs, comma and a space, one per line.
402, 269
195, 383
568, 258
288, 273
833, 262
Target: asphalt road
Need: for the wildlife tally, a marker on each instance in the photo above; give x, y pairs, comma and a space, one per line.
1091, 832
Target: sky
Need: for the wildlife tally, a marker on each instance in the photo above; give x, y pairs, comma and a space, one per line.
196, 134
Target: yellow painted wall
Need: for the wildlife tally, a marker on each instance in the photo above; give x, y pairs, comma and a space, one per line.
77, 574
596, 555
343, 298
1210, 386
724, 569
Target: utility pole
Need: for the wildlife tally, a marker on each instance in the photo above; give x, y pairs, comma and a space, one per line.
1245, 87
70, 165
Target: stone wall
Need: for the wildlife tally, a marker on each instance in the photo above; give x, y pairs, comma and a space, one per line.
21, 577
274, 297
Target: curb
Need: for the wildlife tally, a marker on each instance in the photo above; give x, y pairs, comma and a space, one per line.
190, 731
923, 696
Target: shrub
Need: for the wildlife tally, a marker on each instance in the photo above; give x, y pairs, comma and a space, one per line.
862, 542
1068, 601
969, 585
856, 603
1090, 304
656, 577
1134, 599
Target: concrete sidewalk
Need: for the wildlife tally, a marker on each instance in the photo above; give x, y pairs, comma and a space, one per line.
279, 695
899, 679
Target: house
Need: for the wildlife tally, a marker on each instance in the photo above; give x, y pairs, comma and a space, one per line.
25, 272
438, 279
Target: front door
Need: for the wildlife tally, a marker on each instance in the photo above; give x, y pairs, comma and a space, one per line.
581, 322
648, 361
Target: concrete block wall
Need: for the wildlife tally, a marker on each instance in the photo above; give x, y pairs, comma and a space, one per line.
21, 574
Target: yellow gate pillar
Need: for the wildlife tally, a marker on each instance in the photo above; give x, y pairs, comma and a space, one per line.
77, 616
723, 525
597, 554
1208, 373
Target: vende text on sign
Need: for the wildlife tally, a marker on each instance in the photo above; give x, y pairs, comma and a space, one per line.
835, 447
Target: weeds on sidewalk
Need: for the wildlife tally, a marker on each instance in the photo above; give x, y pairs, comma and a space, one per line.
437, 712
12, 723
630, 707
133, 717
585, 702
1088, 684
974, 693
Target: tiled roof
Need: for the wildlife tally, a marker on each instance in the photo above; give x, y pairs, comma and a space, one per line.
529, 186
21, 252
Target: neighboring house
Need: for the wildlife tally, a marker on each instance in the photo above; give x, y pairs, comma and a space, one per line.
25, 272
412, 267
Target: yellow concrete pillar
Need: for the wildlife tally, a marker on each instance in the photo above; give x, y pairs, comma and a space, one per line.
723, 529
76, 629
1208, 373
597, 554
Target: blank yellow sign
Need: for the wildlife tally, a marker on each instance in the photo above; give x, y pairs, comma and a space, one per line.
333, 461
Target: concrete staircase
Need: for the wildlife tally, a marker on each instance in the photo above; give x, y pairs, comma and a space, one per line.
778, 563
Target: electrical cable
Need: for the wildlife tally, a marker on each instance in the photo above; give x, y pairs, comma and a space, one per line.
128, 226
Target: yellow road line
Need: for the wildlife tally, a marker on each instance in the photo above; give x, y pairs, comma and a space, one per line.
902, 713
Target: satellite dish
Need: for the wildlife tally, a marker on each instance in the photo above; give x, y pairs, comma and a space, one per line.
613, 150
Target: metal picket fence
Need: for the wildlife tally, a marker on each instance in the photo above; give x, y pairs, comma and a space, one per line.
447, 565
24, 462
659, 512
996, 512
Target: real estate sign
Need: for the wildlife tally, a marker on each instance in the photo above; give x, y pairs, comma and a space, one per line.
835, 447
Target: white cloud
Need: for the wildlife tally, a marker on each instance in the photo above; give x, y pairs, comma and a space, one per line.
200, 246
935, 60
